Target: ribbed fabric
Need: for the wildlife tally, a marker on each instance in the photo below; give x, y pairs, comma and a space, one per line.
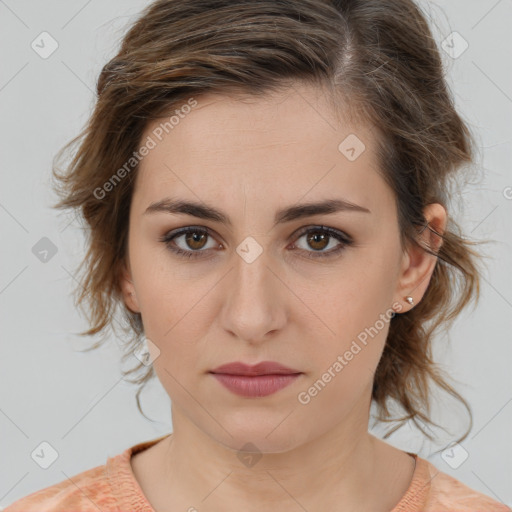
418, 491
114, 488
124, 486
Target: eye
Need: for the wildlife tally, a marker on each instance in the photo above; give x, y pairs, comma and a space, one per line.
195, 239
319, 238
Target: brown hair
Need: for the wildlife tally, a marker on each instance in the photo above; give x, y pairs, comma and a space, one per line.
380, 62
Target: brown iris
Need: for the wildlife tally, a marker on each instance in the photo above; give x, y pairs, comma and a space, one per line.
196, 237
316, 237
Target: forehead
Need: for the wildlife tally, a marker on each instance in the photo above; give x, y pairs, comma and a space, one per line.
278, 149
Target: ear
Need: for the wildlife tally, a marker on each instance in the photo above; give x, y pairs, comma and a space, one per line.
128, 288
417, 264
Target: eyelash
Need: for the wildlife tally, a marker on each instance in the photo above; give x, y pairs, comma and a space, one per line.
344, 239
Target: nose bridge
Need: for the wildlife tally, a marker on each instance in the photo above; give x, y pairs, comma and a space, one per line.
251, 273
251, 306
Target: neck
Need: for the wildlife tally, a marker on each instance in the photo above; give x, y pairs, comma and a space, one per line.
342, 460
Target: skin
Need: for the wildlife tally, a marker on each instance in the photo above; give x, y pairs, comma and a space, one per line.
238, 155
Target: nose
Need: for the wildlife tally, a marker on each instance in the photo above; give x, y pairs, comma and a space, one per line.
254, 300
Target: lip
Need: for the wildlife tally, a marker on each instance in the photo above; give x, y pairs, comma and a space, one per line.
263, 368
255, 381
257, 385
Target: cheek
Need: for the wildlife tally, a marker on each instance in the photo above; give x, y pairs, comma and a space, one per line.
175, 312
352, 301
164, 296
344, 366
355, 314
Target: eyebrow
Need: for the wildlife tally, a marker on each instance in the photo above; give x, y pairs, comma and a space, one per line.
291, 213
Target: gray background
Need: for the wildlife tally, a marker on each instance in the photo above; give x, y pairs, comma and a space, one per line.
78, 402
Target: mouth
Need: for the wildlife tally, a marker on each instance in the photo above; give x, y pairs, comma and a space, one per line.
263, 368
255, 381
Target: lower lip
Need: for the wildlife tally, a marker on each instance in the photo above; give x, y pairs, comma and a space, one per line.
255, 386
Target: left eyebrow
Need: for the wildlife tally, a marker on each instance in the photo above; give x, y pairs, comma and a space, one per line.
291, 213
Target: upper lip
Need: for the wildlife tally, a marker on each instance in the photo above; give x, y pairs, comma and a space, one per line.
263, 368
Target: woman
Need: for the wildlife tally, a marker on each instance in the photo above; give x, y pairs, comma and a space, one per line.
266, 186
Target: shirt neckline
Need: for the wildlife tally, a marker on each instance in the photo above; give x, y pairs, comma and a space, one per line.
130, 496
123, 483
416, 495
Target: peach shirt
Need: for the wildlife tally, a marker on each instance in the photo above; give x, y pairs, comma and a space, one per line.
112, 487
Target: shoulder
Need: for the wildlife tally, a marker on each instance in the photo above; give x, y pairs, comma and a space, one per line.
110, 487
448, 494
88, 491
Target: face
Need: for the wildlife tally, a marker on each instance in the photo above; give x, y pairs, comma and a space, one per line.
312, 290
